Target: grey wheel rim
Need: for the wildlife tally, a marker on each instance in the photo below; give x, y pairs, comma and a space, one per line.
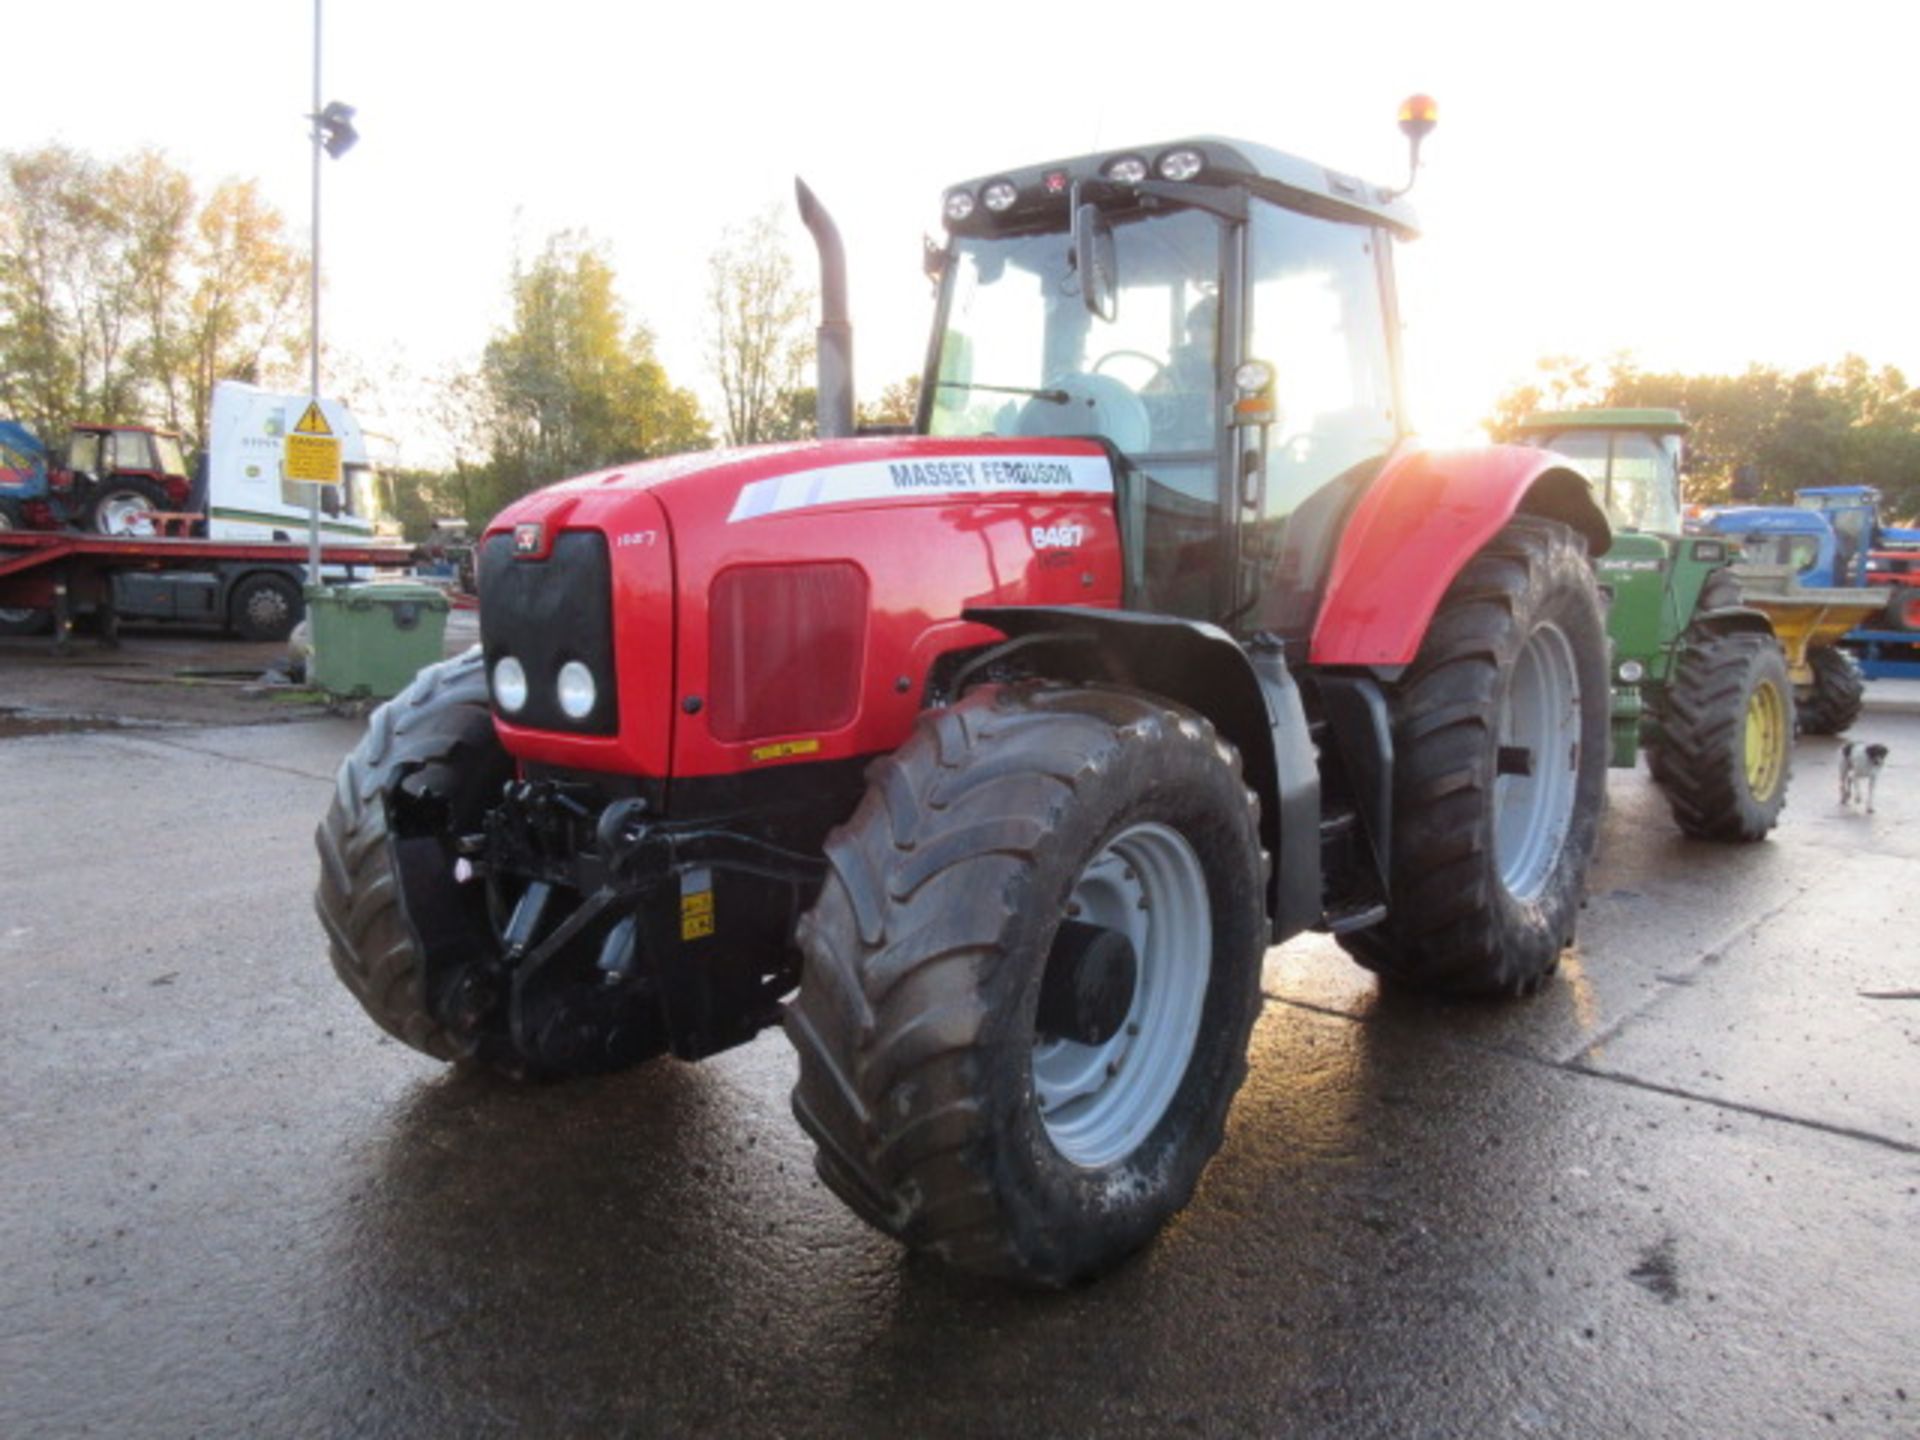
1099, 1103
267, 607
1539, 762
123, 513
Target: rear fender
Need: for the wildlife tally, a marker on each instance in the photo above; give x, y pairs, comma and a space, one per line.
1252, 701
1731, 619
1426, 515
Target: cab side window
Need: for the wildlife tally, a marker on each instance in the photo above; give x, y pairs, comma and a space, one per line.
1318, 319
1317, 316
129, 450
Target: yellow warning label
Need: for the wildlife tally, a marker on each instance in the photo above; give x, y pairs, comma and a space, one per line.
696, 915
785, 748
313, 422
312, 458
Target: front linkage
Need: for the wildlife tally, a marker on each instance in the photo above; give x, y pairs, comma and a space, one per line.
540, 925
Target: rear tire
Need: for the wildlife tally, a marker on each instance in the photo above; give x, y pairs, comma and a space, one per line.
1832, 703
1726, 736
1488, 864
942, 1114
117, 507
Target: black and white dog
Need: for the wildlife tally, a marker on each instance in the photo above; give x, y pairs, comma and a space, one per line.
1859, 770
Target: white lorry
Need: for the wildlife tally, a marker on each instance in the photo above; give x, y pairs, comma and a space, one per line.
240, 486
248, 496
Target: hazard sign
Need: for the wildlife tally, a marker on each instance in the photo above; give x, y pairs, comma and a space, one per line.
311, 449
314, 422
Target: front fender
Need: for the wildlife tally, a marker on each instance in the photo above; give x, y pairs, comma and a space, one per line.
1251, 699
1423, 518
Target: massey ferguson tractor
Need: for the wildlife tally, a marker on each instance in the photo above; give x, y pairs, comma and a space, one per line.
988, 760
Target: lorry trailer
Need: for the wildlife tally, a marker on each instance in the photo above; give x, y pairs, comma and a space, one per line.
253, 587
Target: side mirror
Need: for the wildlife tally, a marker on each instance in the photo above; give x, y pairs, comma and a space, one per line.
1093, 258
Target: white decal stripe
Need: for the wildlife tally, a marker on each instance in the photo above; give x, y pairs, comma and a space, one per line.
934, 476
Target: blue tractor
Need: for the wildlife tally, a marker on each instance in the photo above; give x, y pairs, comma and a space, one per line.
1832, 536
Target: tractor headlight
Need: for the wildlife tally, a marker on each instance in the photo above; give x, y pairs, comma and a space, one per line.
1127, 170
510, 686
576, 690
1632, 671
959, 205
1182, 164
999, 196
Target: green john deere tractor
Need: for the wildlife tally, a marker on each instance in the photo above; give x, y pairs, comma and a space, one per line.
1700, 679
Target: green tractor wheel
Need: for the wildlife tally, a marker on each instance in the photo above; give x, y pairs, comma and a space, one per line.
1724, 747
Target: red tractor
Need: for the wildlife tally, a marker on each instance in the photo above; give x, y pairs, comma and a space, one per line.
989, 759
115, 478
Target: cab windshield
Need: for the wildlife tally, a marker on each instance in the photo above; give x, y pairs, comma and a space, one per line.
1021, 354
1636, 478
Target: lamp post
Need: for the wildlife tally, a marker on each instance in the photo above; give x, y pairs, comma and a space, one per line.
332, 132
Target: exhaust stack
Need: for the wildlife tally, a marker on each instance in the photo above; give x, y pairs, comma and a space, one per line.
833, 397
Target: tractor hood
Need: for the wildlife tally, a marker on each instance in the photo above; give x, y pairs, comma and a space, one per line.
743, 485
741, 607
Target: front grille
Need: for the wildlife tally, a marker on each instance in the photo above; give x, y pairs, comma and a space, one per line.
545, 613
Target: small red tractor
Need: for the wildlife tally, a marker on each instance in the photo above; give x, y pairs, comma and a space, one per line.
990, 759
115, 477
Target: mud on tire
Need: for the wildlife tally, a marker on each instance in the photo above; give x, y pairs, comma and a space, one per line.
1478, 904
437, 733
1724, 749
916, 1020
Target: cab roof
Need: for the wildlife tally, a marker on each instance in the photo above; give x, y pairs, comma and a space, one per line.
1287, 179
1662, 422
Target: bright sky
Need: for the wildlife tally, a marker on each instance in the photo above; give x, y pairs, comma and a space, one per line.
1704, 185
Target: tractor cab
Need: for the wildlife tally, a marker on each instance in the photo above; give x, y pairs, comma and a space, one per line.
107, 453
1222, 316
1632, 458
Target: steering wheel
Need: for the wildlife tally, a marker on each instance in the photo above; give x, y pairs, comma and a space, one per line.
1159, 366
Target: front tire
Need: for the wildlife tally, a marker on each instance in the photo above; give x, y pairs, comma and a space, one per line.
1725, 740
952, 1106
1500, 753
1832, 703
436, 733
265, 607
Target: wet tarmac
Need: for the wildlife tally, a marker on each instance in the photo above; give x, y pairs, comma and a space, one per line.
1678, 1194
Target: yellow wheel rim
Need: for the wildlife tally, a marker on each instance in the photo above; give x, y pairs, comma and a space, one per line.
1766, 741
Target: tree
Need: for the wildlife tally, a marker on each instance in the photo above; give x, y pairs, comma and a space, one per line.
570, 386
123, 298
899, 404
1844, 423
235, 322
760, 341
